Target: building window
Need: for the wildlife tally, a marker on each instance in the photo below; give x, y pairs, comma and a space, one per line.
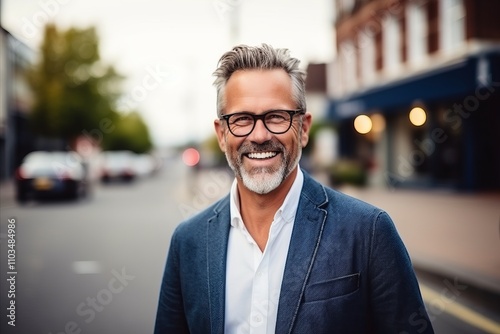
366, 46
452, 20
391, 44
348, 65
417, 32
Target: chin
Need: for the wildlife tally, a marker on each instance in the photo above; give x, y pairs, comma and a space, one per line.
263, 182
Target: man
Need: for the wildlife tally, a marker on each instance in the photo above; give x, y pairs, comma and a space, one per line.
282, 253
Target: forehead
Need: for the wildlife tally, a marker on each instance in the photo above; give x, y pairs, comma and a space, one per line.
254, 90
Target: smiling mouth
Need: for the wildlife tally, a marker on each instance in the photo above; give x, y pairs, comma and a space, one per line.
262, 155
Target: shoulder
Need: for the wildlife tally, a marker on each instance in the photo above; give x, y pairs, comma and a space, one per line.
324, 196
341, 207
343, 202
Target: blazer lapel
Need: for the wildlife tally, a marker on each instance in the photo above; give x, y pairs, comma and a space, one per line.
304, 243
217, 239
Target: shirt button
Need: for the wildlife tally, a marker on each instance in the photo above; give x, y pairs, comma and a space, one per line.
257, 318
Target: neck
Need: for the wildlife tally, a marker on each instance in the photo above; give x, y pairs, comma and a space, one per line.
258, 210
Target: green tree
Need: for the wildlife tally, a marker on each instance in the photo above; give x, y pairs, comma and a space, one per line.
74, 91
130, 133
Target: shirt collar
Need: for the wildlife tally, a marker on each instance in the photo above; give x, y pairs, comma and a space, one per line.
236, 220
287, 210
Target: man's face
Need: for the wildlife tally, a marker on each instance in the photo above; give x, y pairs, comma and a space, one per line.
262, 160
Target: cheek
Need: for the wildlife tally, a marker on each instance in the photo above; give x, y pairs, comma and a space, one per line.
232, 146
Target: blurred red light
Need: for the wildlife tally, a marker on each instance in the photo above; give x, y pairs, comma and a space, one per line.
191, 157
21, 174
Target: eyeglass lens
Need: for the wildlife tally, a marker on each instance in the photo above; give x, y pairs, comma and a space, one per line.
277, 122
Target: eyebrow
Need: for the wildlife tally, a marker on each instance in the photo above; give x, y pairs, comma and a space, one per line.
267, 110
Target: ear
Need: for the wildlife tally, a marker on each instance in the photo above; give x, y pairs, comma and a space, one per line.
220, 132
306, 126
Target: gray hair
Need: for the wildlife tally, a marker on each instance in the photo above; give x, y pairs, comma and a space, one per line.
264, 57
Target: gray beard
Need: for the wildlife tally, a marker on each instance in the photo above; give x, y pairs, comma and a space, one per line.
264, 180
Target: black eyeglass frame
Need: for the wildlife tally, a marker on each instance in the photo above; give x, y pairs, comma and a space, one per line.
255, 117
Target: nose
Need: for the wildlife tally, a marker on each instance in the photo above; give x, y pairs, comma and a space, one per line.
260, 133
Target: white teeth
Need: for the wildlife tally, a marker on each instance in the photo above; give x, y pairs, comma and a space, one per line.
262, 155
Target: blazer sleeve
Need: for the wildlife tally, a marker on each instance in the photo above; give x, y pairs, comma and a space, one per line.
170, 316
396, 301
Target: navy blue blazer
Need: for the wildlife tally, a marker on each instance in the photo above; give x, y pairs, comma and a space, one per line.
347, 271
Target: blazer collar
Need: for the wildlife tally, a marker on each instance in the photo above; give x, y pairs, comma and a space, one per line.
217, 240
306, 235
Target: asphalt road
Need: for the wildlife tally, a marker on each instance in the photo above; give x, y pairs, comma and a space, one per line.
95, 265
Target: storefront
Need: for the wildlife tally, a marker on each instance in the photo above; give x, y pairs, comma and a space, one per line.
452, 138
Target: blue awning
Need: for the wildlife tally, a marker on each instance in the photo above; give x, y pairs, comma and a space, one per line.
451, 81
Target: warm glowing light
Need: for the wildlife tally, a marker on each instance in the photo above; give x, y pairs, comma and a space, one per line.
417, 116
378, 122
363, 124
191, 157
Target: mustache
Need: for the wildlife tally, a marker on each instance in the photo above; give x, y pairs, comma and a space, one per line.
267, 146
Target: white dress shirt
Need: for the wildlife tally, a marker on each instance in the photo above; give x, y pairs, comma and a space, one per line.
253, 277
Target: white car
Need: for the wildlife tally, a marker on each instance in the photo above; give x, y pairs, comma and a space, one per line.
118, 165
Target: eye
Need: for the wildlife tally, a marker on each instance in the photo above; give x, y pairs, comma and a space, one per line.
241, 119
277, 117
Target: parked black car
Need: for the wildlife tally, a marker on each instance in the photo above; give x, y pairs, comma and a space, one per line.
57, 174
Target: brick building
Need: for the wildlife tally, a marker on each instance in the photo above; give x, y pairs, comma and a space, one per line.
424, 75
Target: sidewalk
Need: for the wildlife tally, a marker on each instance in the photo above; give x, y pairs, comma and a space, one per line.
452, 234
7, 194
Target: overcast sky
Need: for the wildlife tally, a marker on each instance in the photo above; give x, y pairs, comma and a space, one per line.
169, 49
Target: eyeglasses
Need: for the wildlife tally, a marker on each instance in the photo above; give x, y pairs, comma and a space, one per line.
241, 124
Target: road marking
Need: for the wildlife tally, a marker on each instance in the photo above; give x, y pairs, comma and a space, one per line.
459, 311
86, 267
